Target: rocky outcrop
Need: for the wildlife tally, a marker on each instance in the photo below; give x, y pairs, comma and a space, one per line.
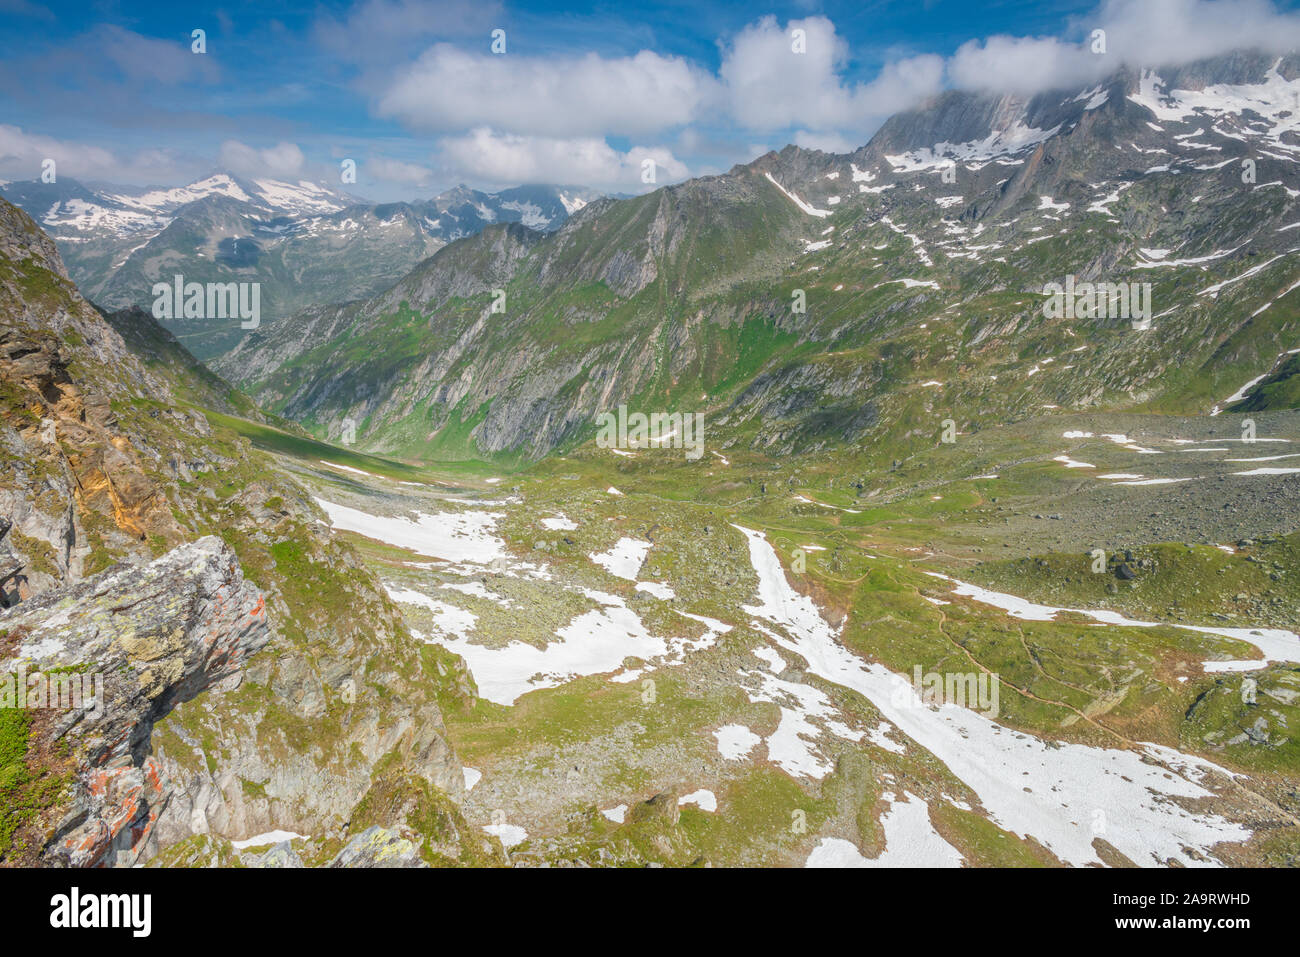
379, 847
134, 640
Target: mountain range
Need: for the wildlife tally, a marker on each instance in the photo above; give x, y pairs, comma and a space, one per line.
306, 243
922, 258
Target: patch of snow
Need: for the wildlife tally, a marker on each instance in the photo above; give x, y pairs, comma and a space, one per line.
810, 210
704, 799
663, 592
910, 841
1032, 787
624, 559
269, 837
456, 536
735, 741
510, 834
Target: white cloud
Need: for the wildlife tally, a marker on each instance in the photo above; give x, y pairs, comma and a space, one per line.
530, 118
1024, 65
150, 60
396, 171
22, 153
496, 157
1166, 32
1139, 33
769, 86
278, 162
826, 142
449, 89
375, 31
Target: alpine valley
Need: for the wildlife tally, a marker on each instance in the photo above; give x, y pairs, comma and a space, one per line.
959, 579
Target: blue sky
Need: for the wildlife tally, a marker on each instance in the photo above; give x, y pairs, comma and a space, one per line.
584, 92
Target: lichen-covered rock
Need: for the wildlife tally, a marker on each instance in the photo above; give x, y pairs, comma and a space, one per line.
141, 638
379, 847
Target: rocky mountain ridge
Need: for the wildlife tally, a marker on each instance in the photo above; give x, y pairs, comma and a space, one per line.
306, 242
921, 259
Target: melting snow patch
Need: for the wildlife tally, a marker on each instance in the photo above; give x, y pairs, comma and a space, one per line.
348, 468
1267, 458
879, 736
270, 837
448, 620
593, 643
1277, 644
808, 501
810, 210
1011, 140
735, 741
1048, 790
624, 559
791, 747
704, 799
1155, 481
910, 841
660, 591
1239, 394
510, 834
478, 590
456, 536
774, 661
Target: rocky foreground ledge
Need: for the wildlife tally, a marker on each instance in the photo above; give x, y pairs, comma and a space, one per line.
141, 638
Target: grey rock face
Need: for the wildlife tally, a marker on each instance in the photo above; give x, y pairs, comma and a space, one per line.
282, 855
142, 638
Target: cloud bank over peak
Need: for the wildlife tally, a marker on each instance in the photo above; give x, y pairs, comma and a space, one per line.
1137, 33
412, 91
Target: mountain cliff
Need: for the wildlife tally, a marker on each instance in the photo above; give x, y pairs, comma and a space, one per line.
254, 674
